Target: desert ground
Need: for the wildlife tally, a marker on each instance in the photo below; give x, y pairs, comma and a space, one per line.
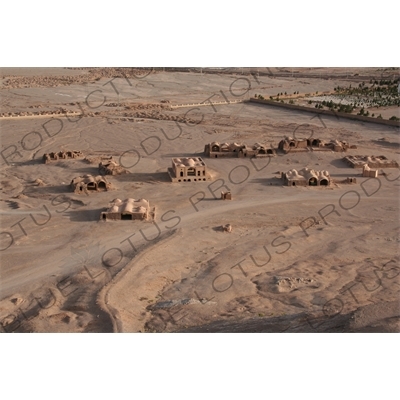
298, 259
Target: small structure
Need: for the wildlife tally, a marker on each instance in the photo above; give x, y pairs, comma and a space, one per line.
89, 183
351, 180
371, 161
259, 150
369, 172
237, 150
111, 167
226, 196
188, 169
306, 177
61, 155
128, 210
227, 228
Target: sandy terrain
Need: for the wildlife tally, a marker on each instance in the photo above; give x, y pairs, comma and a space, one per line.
309, 259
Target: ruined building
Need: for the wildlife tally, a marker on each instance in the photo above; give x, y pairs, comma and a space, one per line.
332, 145
306, 177
371, 161
219, 150
129, 210
188, 169
111, 167
289, 144
88, 183
61, 155
96, 159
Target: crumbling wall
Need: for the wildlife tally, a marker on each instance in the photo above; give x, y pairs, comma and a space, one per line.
369, 173
238, 150
371, 161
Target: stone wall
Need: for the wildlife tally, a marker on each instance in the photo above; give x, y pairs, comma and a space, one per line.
326, 112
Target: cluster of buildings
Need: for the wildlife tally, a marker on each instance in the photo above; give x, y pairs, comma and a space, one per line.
289, 144
194, 169
129, 209
305, 176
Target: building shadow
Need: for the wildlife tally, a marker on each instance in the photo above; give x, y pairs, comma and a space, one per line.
89, 170
85, 215
275, 181
357, 173
27, 163
212, 199
179, 155
339, 163
150, 177
387, 144
48, 189
219, 228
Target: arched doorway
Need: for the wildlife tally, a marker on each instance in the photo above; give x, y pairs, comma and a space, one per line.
324, 182
313, 181
102, 185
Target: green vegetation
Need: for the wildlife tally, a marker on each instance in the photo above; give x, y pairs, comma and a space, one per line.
358, 98
382, 93
347, 108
